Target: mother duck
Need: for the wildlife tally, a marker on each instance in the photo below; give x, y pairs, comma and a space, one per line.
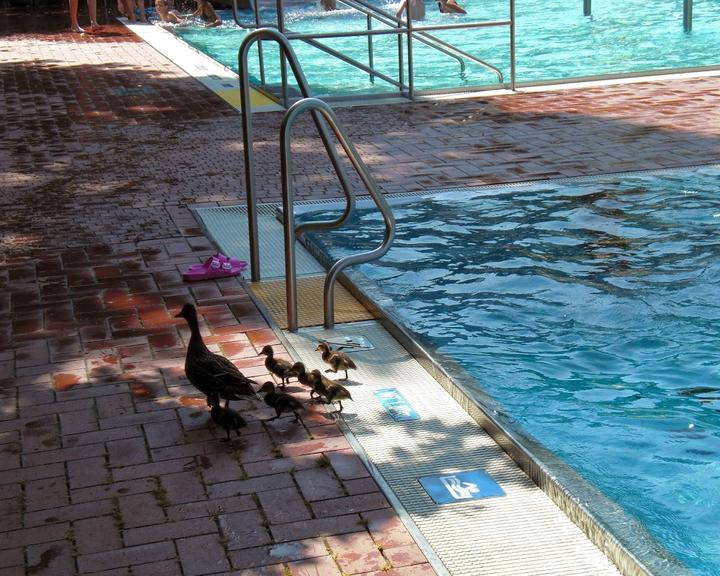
212, 374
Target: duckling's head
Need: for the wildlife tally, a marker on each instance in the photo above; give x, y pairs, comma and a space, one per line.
323, 347
268, 387
267, 350
298, 367
188, 312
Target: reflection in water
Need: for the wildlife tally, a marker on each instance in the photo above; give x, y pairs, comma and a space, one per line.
590, 311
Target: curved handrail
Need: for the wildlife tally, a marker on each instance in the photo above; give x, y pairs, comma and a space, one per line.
284, 44
315, 105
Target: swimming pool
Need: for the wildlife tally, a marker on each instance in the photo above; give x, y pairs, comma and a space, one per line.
589, 310
553, 41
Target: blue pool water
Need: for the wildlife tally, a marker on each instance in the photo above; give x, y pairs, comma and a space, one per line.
590, 310
554, 41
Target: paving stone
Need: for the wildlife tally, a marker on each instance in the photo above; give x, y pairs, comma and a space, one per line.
404, 555
318, 527
63, 455
318, 484
14, 557
243, 529
28, 536
202, 555
250, 486
140, 510
284, 505
356, 553
11, 513
46, 493
347, 465
322, 566
87, 472
127, 452
126, 557
168, 433
278, 465
183, 487
314, 446
387, 529
96, 535
78, 421
350, 504
167, 567
360, 486
169, 531
51, 558
69, 512
285, 552
124, 488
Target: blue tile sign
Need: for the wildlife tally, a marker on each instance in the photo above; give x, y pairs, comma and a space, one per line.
461, 486
396, 405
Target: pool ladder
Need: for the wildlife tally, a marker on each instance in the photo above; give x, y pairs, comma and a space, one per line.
321, 113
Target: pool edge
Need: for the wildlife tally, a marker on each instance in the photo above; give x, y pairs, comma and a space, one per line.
622, 538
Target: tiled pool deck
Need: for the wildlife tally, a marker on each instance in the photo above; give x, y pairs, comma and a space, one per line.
107, 463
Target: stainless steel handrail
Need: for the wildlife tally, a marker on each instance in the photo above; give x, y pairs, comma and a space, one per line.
291, 232
246, 110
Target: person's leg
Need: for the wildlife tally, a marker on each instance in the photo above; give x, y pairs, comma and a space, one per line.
74, 26
92, 11
141, 7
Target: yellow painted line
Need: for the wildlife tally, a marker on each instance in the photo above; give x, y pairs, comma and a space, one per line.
232, 97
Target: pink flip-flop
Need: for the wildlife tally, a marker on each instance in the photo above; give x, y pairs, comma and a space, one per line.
218, 266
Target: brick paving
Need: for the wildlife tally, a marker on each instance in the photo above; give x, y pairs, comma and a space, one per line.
109, 463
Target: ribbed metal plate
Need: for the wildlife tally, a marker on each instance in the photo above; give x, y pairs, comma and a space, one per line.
522, 533
227, 227
310, 302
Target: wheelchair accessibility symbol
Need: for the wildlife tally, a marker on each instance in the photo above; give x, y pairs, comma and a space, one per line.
461, 486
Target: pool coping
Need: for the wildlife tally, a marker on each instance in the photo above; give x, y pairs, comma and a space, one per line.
624, 539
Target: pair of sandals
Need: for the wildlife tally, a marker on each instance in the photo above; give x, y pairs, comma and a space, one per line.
217, 266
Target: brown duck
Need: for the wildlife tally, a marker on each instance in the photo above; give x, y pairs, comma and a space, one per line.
278, 366
226, 418
330, 390
281, 402
336, 359
303, 377
212, 374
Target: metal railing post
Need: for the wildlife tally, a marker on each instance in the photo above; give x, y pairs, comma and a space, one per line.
687, 15
411, 81
587, 7
283, 63
248, 155
370, 48
512, 45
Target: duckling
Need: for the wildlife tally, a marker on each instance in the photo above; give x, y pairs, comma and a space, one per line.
281, 368
337, 360
281, 402
226, 418
303, 377
330, 389
211, 373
